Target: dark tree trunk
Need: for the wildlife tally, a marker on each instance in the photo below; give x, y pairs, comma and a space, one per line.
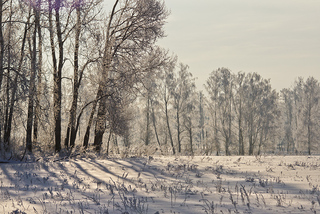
178, 130
168, 125
241, 145
87, 134
1, 58
148, 121
76, 84
1, 49
100, 124
155, 129
7, 130
309, 126
190, 137
32, 86
39, 78
7, 123
57, 70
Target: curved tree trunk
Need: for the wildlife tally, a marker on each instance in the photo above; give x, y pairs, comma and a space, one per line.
87, 134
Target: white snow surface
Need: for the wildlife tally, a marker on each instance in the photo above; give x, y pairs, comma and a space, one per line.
160, 184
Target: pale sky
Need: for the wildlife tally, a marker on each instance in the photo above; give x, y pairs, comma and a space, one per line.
279, 39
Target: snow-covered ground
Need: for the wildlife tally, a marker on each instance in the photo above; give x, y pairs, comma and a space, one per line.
158, 184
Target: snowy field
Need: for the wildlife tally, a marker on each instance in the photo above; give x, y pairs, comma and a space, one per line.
157, 184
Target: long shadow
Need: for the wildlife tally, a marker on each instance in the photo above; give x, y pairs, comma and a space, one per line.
44, 175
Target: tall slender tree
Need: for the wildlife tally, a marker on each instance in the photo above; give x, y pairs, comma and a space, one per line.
32, 82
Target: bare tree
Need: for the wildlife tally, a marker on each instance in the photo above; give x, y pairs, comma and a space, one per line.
32, 81
212, 87
132, 30
57, 30
238, 106
11, 100
182, 91
83, 18
312, 96
225, 106
168, 83
39, 75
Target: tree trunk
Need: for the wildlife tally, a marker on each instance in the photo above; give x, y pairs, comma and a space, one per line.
1, 58
216, 139
168, 124
190, 137
76, 84
100, 124
32, 86
178, 130
251, 140
1, 51
56, 71
309, 127
87, 134
155, 129
54, 62
241, 145
103, 88
8, 124
148, 121
261, 141
108, 143
39, 77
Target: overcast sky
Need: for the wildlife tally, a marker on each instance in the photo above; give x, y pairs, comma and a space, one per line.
279, 39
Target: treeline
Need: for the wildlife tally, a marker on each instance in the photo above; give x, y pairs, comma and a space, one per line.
72, 76
238, 114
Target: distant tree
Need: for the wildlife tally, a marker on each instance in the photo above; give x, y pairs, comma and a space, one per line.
300, 110
261, 110
238, 100
225, 106
201, 121
182, 91
167, 88
269, 114
287, 99
213, 89
189, 116
311, 111
298, 116
15, 62
220, 88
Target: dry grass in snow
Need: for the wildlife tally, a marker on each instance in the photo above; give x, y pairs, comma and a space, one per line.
266, 184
